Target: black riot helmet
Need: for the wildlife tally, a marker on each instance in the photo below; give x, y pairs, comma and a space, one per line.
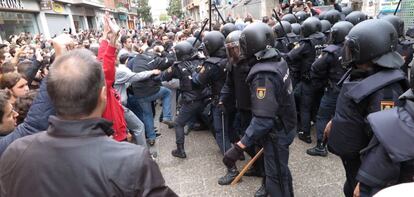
191, 41
296, 28
212, 42
326, 26
184, 51
339, 31
356, 17
301, 16
233, 46
332, 16
228, 28
373, 40
310, 26
396, 22
290, 18
346, 10
279, 31
254, 38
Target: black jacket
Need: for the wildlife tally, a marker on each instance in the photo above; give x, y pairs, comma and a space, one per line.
76, 158
145, 62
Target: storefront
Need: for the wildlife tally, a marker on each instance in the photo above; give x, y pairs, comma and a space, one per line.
58, 19
18, 16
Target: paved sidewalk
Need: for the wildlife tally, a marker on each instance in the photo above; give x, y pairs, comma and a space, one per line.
197, 175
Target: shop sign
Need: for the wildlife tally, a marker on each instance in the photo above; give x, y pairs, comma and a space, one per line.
11, 4
45, 4
57, 7
388, 6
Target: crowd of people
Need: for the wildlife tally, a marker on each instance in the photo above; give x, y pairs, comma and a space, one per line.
82, 106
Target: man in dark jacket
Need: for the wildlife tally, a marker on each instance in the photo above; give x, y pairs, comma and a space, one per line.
149, 90
76, 146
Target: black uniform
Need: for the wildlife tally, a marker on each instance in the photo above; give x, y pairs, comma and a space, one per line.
361, 95
274, 115
300, 60
191, 95
391, 147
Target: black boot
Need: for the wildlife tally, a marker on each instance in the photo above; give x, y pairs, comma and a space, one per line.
179, 152
229, 177
318, 150
304, 137
261, 192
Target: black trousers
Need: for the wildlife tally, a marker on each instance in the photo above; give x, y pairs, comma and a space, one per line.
351, 165
188, 110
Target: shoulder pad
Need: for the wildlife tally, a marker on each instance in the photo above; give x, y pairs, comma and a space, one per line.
331, 48
274, 67
374, 82
394, 133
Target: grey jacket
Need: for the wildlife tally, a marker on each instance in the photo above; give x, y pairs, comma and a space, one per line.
123, 79
76, 158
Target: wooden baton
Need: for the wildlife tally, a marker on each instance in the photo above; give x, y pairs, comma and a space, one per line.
246, 167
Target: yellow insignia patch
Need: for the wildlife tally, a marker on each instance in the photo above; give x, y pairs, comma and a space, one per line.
387, 105
260, 92
297, 45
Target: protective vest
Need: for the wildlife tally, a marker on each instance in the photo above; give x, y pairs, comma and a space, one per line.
349, 133
336, 70
286, 112
190, 92
220, 76
241, 88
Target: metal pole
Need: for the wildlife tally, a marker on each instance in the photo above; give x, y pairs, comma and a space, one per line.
209, 14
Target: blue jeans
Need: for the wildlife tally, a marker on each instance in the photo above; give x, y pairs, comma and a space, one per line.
142, 107
326, 111
135, 126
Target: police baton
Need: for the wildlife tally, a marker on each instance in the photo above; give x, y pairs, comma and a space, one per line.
396, 9
222, 131
247, 167
202, 29
344, 77
218, 12
280, 23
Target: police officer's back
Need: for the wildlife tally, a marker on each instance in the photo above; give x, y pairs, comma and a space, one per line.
273, 107
391, 147
375, 82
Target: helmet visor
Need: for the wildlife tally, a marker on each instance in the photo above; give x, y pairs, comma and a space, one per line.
233, 52
351, 52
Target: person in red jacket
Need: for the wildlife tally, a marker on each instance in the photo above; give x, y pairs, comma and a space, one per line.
107, 54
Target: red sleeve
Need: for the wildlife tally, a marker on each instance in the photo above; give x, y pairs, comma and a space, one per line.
102, 49
109, 65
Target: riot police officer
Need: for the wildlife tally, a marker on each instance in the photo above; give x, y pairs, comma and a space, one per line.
237, 90
405, 47
300, 60
213, 74
290, 18
282, 44
301, 16
375, 82
333, 16
326, 28
272, 106
356, 17
227, 29
191, 95
391, 146
328, 66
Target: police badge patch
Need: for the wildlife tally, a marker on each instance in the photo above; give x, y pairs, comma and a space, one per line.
387, 105
260, 92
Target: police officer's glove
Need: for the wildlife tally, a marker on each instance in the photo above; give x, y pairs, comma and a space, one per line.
232, 155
